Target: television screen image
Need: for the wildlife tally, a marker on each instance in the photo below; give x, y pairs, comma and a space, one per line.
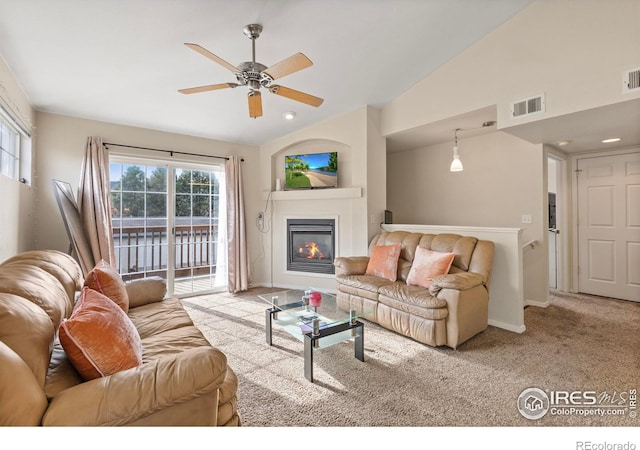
311, 171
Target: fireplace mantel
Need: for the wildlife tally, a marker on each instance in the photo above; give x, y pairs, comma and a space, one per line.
317, 194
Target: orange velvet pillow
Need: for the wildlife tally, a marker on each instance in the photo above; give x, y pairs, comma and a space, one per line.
427, 265
99, 338
383, 261
104, 279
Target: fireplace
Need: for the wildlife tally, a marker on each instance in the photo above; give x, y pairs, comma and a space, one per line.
311, 245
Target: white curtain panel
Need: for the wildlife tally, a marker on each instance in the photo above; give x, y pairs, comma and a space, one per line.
94, 203
238, 258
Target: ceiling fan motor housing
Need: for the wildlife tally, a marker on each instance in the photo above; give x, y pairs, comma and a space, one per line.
251, 74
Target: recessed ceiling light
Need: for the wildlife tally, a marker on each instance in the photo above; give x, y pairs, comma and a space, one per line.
609, 141
563, 143
289, 115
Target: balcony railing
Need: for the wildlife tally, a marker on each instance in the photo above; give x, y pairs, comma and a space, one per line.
143, 251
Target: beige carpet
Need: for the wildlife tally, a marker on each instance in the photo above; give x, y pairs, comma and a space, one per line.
578, 343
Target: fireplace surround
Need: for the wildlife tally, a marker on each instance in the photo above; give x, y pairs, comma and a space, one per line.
311, 245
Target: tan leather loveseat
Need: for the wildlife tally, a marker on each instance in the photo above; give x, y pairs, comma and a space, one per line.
453, 309
182, 380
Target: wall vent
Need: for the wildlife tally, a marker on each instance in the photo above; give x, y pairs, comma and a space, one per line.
631, 81
528, 106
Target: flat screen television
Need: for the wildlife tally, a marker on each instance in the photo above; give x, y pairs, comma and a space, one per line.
311, 171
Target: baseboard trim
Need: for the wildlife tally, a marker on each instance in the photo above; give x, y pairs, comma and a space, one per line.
539, 304
506, 326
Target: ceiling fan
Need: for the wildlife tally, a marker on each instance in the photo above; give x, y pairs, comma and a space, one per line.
255, 75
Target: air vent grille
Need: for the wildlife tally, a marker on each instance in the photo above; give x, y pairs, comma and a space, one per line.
631, 80
528, 106
520, 108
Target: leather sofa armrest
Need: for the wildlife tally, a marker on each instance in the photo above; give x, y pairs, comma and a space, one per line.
146, 290
133, 394
458, 281
351, 265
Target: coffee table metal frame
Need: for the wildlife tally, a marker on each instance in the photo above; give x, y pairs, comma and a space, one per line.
312, 338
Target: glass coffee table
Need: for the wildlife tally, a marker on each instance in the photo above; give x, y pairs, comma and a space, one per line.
318, 323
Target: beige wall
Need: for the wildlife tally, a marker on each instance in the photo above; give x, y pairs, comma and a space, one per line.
16, 214
61, 142
502, 181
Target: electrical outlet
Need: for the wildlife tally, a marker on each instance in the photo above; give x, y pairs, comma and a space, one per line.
526, 218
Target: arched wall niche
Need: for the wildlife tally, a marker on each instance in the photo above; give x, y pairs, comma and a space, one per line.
307, 146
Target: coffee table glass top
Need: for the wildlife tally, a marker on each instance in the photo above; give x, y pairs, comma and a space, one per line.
295, 313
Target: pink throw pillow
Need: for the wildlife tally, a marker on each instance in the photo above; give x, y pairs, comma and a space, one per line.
383, 261
427, 265
106, 280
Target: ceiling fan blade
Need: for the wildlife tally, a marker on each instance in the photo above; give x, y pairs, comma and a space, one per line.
288, 66
211, 56
296, 95
255, 104
210, 87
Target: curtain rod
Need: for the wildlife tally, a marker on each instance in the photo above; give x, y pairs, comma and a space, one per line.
166, 151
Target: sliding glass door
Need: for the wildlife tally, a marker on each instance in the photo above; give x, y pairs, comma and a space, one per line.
167, 222
199, 248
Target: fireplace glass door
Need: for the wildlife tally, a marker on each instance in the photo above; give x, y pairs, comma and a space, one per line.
311, 245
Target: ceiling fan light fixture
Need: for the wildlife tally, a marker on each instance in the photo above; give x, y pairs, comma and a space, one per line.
289, 115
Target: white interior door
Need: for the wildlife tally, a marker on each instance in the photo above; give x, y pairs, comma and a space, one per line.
609, 226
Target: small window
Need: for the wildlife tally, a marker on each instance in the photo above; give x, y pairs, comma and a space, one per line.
9, 150
15, 148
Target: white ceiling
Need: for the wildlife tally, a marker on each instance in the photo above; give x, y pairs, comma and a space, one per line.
123, 61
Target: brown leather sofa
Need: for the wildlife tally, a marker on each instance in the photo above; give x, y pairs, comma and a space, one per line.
452, 310
182, 380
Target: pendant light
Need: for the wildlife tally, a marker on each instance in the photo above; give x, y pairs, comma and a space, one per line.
456, 164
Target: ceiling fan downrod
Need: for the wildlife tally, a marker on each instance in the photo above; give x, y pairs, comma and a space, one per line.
252, 31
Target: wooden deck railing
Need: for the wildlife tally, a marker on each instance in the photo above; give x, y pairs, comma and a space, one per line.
143, 251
